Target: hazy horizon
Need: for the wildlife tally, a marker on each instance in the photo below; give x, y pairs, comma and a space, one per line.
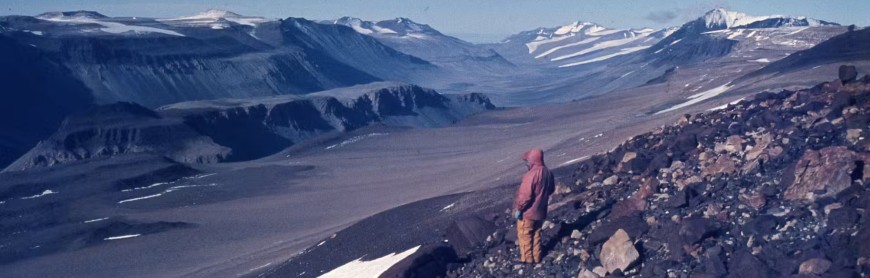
478, 21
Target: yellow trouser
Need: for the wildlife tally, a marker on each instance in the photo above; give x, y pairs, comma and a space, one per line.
529, 240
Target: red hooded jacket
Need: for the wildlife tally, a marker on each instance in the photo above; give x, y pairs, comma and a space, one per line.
533, 195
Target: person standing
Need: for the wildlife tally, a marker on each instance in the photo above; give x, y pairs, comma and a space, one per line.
530, 205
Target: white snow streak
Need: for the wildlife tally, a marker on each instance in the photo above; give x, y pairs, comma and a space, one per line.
448, 206
122, 237
605, 57
723, 106
96, 220
141, 198
46, 192
598, 46
554, 49
169, 190
574, 160
354, 140
113, 27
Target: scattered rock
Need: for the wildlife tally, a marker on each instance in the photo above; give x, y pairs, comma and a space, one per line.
576, 234
722, 165
628, 157
815, 266
854, 135
600, 271
618, 252
585, 273
611, 180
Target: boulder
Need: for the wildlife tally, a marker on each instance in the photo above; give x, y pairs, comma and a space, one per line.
822, 173
815, 266
848, 74
618, 253
466, 234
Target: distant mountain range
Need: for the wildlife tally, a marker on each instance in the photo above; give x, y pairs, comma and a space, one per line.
582, 42
62, 62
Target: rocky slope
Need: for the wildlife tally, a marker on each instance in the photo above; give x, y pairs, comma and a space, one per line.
233, 129
769, 187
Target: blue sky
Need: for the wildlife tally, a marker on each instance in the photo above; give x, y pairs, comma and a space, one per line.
476, 20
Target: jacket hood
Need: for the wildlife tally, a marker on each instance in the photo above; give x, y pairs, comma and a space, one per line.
535, 157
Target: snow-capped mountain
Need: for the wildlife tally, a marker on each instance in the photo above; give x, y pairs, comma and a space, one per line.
215, 19
717, 31
577, 43
421, 40
706, 53
721, 18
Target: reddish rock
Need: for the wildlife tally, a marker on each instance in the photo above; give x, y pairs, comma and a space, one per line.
822, 173
761, 143
815, 266
723, 164
618, 253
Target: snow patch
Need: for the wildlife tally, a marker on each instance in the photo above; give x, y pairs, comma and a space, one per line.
448, 206
112, 27
96, 220
762, 60
141, 198
373, 268
726, 105
598, 46
572, 161
554, 49
605, 57
122, 237
169, 190
699, 97
44, 193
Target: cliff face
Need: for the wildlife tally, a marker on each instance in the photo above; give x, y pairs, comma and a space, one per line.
233, 130
255, 128
120, 128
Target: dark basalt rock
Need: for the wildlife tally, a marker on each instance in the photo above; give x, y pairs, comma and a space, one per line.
848, 74
429, 261
467, 234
